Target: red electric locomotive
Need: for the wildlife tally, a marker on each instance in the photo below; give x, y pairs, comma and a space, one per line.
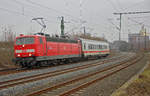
34, 50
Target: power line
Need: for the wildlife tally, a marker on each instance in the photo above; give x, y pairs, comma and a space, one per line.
114, 7
45, 7
133, 5
42, 6
22, 4
18, 13
140, 23
119, 5
14, 12
114, 24
125, 13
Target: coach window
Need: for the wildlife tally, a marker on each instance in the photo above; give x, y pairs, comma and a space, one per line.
103, 46
91, 46
41, 41
88, 46
100, 46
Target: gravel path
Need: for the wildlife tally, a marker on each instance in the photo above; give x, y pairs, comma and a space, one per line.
108, 85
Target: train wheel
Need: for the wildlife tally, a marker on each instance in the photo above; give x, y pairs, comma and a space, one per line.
22, 64
28, 65
38, 64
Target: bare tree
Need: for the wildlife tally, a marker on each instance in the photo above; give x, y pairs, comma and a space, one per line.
7, 34
6, 46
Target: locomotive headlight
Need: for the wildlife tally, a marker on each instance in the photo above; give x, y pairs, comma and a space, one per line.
30, 54
18, 55
30, 50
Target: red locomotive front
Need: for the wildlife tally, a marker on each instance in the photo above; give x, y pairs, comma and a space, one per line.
26, 48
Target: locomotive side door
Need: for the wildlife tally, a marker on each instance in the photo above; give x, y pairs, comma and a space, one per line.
42, 46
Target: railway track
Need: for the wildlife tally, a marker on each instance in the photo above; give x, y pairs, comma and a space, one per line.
70, 87
14, 82
17, 70
8, 69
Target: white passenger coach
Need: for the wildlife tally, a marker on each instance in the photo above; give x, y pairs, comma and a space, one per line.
95, 48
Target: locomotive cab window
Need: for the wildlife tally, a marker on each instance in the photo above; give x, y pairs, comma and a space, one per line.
25, 40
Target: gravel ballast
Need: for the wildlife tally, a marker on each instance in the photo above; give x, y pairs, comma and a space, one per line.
35, 72
23, 88
108, 85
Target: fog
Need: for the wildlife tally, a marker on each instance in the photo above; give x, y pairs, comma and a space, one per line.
97, 16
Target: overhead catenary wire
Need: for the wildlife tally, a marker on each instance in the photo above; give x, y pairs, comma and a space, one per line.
15, 12
19, 13
119, 4
73, 18
140, 23
24, 15
36, 4
131, 6
112, 4
31, 11
52, 9
31, 6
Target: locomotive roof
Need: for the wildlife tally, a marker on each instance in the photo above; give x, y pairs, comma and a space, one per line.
56, 39
52, 39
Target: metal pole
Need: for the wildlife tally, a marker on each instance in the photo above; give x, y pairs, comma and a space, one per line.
120, 27
62, 26
81, 25
84, 30
145, 39
138, 44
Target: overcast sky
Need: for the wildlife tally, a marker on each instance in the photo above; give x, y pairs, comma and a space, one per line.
98, 15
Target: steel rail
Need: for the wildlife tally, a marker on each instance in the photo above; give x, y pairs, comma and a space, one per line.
19, 70
18, 81
73, 80
67, 93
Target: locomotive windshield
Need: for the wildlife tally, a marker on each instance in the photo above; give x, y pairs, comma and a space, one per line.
24, 40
